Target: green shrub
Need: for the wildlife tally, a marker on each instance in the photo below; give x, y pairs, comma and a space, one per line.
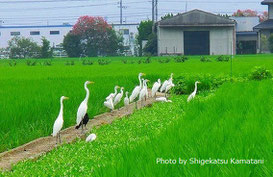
148, 60
70, 63
260, 73
223, 58
180, 58
204, 59
12, 63
124, 61
104, 61
185, 84
166, 60
87, 62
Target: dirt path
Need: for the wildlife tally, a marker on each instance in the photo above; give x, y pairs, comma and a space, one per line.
36, 148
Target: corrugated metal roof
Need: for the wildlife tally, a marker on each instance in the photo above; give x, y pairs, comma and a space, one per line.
268, 24
266, 2
197, 18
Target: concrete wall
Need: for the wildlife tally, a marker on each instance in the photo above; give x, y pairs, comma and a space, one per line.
171, 40
270, 11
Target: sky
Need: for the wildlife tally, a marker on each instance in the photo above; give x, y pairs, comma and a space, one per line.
52, 12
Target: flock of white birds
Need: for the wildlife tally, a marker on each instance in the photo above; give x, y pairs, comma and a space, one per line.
140, 92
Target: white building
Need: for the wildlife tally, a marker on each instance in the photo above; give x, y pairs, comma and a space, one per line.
55, 34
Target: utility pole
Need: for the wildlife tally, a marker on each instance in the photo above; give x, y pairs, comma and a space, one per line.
120, 6
153, 10
156, 10
186, 6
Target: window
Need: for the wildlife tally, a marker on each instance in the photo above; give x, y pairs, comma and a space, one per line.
34, 32
124, 31
0, 33
54, 32
16, 33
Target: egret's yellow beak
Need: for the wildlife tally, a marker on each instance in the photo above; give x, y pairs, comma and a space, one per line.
143, 74
118, 86
66, 98
91, 82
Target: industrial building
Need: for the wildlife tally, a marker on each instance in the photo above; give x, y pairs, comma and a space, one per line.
196, 33
265, 29
55, 34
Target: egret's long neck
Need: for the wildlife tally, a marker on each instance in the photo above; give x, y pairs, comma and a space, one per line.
195, 89
126, 94
139, 78
87, 93
121, 91
61, 109
116, 90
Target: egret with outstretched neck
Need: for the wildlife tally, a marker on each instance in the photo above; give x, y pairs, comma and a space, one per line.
126, 99
118, 97
113, 94
192, 95
143, 92
166, 83
58, 124
82, 110
137, 89
109, 103
156, 87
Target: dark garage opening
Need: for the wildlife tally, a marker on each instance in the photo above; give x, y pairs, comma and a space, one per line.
196, 43
246, 47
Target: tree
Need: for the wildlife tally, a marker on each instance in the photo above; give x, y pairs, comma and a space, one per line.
46, 50
20, 47
264, 43
72, 45
145, 29
96, 37
168, 15
151, 46
263, 16
251, 13
270, 43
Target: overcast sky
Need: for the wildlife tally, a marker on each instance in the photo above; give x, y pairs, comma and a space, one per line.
42, 12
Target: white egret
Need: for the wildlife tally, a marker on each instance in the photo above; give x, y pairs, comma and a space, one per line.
156, 87
58, 124
109, 103
137, 89
118, 97
91, 137
169, 86
126, 99
163, 99
192, 95
165, 83
113, 94
82, 110
143, 93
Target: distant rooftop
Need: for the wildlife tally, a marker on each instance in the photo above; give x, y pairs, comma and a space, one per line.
58, 26
196, 18
268, 24
267, 2
38, 26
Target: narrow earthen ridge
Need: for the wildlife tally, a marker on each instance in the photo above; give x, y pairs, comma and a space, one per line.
36, 148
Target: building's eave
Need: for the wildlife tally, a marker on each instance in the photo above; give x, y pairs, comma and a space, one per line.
200, 25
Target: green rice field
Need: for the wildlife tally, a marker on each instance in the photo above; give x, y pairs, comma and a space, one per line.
234, 121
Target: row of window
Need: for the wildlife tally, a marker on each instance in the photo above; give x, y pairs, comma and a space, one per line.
17, 33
